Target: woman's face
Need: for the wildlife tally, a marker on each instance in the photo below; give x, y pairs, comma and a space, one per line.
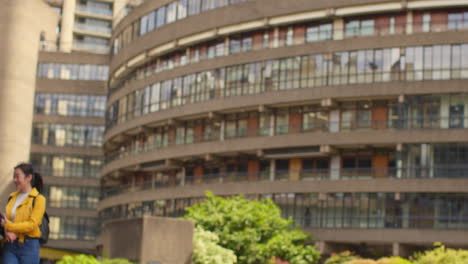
22, 181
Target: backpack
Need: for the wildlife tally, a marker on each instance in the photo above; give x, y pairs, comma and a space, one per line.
44, 227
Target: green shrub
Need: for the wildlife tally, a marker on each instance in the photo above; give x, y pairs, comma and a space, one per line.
441, 255
361, 261
341, 258
207, 251
85, 259
393, 260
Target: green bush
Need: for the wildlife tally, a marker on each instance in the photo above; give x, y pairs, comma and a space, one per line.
85, 259
253, 230
207, 251
441, 255
393, 260
361, 261
341, 258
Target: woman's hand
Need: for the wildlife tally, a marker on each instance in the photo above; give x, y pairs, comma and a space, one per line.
10, 236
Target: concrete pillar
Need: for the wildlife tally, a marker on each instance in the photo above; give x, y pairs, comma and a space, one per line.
399, 161
338, 29
409, 22
182, 178
396, 249
276, 37
68, 21
226, 46
272, 170
444, 111
335, 165
118, 8
21, 24
272, 124
334, 121
222, 130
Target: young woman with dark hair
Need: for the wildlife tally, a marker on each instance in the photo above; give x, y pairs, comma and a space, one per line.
24, 213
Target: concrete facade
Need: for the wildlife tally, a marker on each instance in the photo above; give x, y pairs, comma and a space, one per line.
149, 240
21, 25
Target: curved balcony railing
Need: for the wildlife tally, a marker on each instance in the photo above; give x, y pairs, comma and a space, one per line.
292, 176
427, 123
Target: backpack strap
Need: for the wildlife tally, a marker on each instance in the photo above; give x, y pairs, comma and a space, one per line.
45, 213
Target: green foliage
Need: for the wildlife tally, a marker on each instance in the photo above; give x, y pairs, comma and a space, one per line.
341, 258
361, 261
393, 260
207, 251
442, 255
253, 230
85, 259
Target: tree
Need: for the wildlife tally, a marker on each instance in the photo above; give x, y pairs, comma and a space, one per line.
207, 251
253, 230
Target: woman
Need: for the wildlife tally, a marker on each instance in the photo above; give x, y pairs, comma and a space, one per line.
22, 220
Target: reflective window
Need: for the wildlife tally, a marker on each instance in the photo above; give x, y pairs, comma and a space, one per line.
67, 135
72, 197
73, 228
86, 72
70, 105
67, 166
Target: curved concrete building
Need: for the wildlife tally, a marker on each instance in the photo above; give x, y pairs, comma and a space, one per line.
350, 114
21, 25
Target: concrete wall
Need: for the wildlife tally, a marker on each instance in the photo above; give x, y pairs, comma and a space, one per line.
21, 24
149, 239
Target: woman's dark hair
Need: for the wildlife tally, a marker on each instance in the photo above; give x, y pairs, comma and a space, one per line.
27, 169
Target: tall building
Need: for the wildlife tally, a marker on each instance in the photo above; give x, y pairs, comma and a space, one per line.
68, 122
54, 67
350, 115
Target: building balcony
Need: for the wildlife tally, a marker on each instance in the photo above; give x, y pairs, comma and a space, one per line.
94, 12
93, 30
83, 46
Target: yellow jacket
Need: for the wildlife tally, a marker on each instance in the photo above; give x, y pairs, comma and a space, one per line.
27, 218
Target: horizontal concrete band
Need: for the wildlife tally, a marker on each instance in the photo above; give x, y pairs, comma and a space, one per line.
291, 96
321, 186
73, 120
35, 148
71, 87
70, 181
388, 236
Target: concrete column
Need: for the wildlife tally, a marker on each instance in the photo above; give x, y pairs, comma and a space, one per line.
335, 165
396, 249
399, 161
444, 111
21, 24
68, 21
226, 46
409, 22
272, 169
338, 29
222, 130
118, 8
334, 121
276, 37
183, 174
272, 124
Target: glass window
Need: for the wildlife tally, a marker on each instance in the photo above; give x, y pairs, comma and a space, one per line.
171, 12
194, 7
160, 16
182, 9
